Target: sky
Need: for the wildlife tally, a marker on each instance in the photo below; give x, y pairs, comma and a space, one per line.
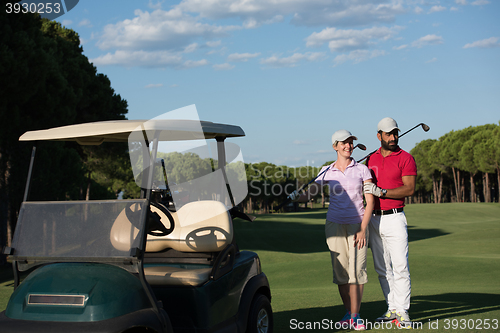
292, 72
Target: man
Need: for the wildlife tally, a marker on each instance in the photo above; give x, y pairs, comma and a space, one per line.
394, 173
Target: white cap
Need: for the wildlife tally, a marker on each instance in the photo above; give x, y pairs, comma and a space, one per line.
387, 125
342, 135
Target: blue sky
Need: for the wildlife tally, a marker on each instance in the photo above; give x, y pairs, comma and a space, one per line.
292, 72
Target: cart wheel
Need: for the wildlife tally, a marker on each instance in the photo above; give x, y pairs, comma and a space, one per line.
260, 318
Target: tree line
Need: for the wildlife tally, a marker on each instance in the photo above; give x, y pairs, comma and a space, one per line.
47, 81
461, 166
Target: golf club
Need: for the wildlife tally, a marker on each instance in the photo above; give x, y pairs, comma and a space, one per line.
359, 145
425, 127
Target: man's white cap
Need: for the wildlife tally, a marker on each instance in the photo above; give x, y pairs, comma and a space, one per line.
342, 135
387, 125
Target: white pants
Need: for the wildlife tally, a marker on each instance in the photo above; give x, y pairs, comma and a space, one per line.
389, 244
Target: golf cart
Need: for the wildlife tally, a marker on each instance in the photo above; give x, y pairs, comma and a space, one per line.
166, 262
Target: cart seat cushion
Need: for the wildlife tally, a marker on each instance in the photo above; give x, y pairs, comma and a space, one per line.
200, 226
176, 276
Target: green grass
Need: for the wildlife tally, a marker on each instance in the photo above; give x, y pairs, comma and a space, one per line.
454, 263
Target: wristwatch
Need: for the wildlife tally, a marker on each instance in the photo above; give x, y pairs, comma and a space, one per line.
384, 192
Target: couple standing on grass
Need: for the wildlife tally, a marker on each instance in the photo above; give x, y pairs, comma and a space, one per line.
388, 177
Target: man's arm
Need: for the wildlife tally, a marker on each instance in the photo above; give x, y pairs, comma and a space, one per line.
406, 190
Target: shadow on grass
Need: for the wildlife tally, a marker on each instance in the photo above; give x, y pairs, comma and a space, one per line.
452, 305
416, 234
424, 309
292, 234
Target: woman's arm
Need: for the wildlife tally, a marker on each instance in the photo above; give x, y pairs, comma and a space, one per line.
360, 237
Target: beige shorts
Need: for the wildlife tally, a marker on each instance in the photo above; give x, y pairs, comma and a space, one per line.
348, 262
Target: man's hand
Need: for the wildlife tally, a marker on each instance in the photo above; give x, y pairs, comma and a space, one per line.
371, 188
294, 196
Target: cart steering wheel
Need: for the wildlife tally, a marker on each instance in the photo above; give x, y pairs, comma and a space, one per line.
155, 225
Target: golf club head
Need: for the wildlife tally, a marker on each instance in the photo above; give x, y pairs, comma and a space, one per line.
425, 127
360, 146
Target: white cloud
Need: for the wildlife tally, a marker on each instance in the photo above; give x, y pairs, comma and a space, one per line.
214, 43
401, 47
223, 67
480, 2
241, 57
85, 23
484, 43
220, 51
66, 22
293, 60
435, 9
159, 30
453, 9
189, 26
461, 2
432, 60
154, 85
427, 40
252, 23
155, 5
304, 12
139, 59
418, 10
191, 48
348, 40
358, 56
194, 63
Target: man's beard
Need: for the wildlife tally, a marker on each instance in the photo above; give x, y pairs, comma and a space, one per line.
387, 146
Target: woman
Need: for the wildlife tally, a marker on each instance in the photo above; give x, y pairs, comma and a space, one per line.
346, 225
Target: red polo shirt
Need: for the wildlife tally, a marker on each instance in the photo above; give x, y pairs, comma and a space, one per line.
387, 173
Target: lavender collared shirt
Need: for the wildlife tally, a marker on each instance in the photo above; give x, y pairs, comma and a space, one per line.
346, 192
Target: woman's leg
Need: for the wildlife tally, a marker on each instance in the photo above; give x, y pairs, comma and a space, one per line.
356, 294
345, 294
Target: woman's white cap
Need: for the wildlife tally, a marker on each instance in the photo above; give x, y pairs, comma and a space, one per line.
342, 135
387, 125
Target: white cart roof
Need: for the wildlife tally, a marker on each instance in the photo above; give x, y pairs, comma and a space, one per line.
96, 133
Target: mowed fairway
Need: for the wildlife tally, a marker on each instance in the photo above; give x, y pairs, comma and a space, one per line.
454, 262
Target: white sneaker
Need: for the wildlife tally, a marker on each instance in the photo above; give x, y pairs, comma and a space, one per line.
388, 316
403, 320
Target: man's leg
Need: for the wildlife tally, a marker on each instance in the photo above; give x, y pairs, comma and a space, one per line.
395, 236
379, 258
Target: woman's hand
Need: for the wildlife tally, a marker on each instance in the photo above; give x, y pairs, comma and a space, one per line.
360, 239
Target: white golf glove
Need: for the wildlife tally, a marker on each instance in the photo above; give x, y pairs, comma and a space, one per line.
371, 188
294, 196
